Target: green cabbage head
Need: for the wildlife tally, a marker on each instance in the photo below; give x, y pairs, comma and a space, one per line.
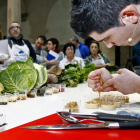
19, 76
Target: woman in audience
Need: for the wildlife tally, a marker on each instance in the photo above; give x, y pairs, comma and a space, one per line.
95, 56
69, 50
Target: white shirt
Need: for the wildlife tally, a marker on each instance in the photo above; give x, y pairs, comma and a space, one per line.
6, 59
65, 62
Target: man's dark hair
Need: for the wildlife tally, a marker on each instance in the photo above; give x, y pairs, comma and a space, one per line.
54, 41
68, 45
75, 38
96, 15
42, 37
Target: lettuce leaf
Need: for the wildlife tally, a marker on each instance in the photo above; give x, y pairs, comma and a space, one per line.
42, 75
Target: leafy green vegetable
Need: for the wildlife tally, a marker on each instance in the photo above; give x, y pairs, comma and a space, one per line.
73, 74
42, 75
19, 76
72, 83
88, 69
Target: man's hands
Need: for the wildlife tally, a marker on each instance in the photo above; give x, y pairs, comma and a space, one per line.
94, 79
126, 82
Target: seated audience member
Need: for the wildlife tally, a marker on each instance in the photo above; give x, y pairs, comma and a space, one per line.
96, 57
20, 47
45, 46
6, 59
53, 44
81, 50
41, 54
69, 50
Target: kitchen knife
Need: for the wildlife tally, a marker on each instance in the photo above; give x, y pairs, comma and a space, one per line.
103, 116
110, 125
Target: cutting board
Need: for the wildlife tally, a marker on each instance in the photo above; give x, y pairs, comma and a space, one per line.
19, 133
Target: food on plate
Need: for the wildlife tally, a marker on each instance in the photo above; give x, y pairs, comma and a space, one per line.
32, 93
127, 99
108, 106
118, 104
118, 101
13, 98
22, 97
108, 102
92, 104
49, 91
123, 100
73, 106
55, 90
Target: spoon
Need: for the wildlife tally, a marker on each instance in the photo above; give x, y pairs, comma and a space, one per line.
72, 119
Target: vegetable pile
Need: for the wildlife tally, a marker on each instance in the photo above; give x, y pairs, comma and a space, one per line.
21, 76
112, 69
73, 74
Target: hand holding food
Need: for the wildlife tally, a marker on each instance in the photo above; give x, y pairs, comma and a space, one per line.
94, 79
126, 82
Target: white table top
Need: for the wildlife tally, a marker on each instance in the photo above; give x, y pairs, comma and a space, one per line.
24, 111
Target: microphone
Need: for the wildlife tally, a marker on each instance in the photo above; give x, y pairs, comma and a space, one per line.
131, 39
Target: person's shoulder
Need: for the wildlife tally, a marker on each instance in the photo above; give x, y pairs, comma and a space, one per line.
83, 45
60, 52
26, 41
102, 54
89, 56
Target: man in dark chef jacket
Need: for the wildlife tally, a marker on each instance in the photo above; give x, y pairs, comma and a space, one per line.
115, 22
20, 47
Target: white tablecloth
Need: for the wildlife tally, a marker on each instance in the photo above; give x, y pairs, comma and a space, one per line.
24, 111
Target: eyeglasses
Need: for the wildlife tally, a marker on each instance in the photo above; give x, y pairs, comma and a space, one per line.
14, 28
